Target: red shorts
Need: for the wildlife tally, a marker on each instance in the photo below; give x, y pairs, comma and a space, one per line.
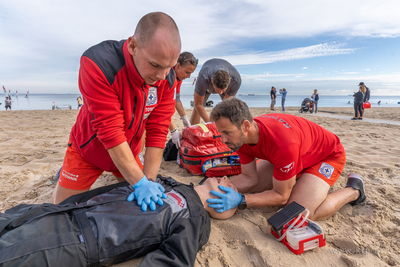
328, 169
79, 174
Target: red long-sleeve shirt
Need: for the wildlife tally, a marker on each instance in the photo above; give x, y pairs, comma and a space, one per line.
118, 104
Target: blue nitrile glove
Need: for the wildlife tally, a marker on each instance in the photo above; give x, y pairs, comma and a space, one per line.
147, 193
226, 201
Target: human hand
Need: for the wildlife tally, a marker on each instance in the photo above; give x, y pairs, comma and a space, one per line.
226, 201
147, 193
176, 138
186, 122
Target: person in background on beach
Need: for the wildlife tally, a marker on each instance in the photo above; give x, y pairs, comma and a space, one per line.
273, 98
186, 65
216, 76
169, 236
366, 96
283, 92
358, 102
79, 99
315, 98
7, 103
299, 161
125, 85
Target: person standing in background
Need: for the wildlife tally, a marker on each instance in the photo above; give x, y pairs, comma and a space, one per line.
79, 99
315, 98
358, 102
366, 96
283, 92
186, 65
7, 103
273, 97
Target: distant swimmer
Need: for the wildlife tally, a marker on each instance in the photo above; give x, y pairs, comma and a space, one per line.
379, 102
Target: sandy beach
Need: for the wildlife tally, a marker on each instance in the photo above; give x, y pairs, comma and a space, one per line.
32, 146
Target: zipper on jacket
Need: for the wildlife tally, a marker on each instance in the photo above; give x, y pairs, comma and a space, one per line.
91, 138
141, 117
133, 113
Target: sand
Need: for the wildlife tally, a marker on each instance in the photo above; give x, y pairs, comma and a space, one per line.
32, 146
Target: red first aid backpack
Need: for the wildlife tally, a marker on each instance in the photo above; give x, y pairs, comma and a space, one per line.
203, 153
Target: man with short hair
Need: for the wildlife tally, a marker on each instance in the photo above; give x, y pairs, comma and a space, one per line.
273, 98
300, 161
217, 76
126, 86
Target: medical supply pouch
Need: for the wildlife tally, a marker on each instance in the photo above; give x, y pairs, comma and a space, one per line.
203, 153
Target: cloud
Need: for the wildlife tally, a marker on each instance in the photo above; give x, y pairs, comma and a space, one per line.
319, 50
304, 68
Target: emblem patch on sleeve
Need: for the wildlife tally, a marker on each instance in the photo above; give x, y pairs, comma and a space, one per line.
326, 170
176, 201
152, 97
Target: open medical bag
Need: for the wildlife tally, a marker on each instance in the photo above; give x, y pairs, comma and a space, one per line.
203, 153
292, 227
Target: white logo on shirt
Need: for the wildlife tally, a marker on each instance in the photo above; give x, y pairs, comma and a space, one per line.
176, 201
287, 168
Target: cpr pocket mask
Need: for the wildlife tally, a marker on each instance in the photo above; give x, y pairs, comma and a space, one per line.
292, 227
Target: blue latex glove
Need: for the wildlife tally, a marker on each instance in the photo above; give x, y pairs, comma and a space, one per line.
226, 201
147, 193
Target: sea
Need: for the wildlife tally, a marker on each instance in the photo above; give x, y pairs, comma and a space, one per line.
67, 101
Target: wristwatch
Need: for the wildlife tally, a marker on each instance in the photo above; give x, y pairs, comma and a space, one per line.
242, 205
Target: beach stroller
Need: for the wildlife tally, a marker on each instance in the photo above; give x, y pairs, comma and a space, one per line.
306, 105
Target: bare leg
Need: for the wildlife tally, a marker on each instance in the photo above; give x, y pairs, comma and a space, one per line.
61, 193
312, 192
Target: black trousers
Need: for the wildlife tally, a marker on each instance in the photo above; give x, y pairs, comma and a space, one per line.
358, 109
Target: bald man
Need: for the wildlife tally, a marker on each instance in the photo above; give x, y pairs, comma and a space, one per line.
126, 86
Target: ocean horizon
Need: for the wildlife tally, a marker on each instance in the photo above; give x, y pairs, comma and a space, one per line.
64, 101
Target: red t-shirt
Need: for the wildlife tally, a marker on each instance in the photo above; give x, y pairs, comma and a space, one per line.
290, 143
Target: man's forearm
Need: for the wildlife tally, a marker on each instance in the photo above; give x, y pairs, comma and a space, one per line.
180, 109
123, 158
152, 161
202, 112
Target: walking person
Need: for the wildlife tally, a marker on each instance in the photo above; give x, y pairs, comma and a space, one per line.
315, 98
273, 98
358, 102
283, 92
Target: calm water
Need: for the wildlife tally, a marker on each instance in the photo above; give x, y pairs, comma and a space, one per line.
46, 101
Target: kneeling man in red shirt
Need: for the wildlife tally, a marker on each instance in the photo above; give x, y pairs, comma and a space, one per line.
298, 160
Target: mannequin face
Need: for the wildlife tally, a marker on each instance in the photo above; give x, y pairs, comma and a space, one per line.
211, 184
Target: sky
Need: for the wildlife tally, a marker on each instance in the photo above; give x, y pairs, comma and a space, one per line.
298, 45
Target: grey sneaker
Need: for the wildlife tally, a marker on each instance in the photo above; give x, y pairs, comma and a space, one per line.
355, 181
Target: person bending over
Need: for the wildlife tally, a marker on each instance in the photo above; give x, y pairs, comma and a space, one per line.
125, 85
101, 228
186, 65
217, 76
300, 161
